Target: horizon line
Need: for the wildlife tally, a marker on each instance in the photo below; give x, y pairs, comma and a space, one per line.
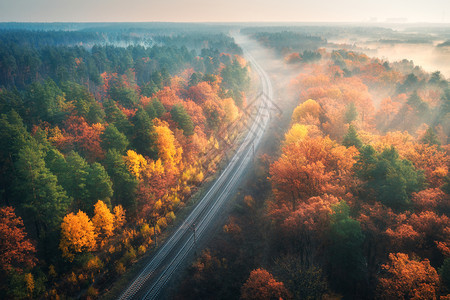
237, 22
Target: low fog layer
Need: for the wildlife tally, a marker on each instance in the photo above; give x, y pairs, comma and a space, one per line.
427, 56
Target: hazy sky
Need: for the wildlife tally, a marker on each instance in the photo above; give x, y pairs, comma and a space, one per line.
437, 11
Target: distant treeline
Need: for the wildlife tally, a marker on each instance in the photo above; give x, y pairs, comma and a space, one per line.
27, 56
149, 27
288, 40
358, 33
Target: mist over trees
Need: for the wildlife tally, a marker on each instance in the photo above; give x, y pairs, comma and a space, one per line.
107, 130
104, 137
354, 201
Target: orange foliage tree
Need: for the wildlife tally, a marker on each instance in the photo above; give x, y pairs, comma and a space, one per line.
77, 235
434, 231
262, 286
312, 216
310, 168
407, 278
195, 111
431, 199
103, 220
433, 161
168, 98
203, 92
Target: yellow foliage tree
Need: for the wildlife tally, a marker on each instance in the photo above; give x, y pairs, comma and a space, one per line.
136, 163
29, 281
145, 231
119, 216
297, 133
200, 176
154, 168
162, 222
169, 153
192, 174
157, 205
94, 265
170, 216
231, 110
103, 220
77, 235
309, 108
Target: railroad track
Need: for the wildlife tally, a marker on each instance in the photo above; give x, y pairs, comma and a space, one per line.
152, 280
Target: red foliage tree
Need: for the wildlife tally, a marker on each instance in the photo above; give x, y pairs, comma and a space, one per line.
16, 251
431, 199
83, 137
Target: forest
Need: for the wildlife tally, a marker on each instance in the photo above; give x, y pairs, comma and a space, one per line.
101, 146
353, 200
109, 132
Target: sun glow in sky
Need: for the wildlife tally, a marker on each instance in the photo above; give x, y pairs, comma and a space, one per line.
432, 11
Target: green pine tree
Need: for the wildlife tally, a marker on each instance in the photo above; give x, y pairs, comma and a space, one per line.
181, 117
352, 138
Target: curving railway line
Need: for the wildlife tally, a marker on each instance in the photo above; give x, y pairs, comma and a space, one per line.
154, 277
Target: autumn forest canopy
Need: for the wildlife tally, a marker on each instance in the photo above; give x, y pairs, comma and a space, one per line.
108, 131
